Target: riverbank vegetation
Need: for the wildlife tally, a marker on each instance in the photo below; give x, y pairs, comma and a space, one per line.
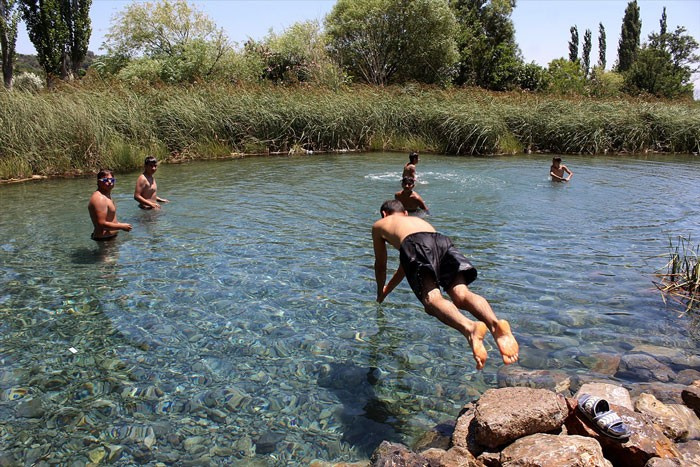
680, 283
82, 127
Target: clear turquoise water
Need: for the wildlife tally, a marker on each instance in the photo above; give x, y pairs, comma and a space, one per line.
238, 324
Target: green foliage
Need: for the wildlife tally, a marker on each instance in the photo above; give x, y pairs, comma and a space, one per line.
629, 37
566, 77
60, 31
602, 46
76, 15
573, 44
488, 54
532, 77
586, 57
28, 82
185, 42
665, 65
393, 41
49, 34
83, 127
296, 56
9, 18
605, 83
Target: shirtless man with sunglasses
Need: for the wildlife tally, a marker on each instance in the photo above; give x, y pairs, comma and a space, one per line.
103, 211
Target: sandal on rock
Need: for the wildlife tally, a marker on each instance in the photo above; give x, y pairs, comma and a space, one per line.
607, 421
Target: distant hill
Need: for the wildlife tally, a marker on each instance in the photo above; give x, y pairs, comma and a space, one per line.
29, 63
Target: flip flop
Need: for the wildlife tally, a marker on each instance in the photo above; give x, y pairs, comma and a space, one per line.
607, 421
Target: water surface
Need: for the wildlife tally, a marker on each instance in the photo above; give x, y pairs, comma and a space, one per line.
238, 324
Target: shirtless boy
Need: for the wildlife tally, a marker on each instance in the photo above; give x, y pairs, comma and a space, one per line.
411, 200
556, 171
103, 211
145, 192
409, 170
429, 260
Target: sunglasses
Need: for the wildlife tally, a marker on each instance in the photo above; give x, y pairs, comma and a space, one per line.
108, 180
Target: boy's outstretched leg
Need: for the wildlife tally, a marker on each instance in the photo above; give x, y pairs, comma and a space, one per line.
444, 310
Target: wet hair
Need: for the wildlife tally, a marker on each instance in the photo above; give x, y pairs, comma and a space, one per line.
407, 181
103, 172
556, 159
150, 160
391, 206
413, 156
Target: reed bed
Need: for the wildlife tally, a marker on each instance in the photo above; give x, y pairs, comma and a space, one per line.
78, 129
680, 283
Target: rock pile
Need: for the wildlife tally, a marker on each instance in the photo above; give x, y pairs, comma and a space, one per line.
520, 426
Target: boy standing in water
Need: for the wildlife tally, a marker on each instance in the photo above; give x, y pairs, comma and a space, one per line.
145, 192
409, 170
103, 211
428, 260
411, 200
556, 171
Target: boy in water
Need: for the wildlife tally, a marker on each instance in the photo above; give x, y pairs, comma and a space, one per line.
556, 171
429, 260
409, 170
103, 211
145, 191
411, 200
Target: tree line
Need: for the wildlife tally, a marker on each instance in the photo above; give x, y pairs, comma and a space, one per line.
380, 42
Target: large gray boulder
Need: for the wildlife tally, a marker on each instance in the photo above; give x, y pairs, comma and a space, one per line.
506, 414
545, 450
644, 367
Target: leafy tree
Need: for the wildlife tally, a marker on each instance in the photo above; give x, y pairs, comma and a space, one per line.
629, 37
605, 83
566, 77
587, 45
532, 77
184, 41
60, 31
663, 25
488, 54
573, 44
665, 65
76, 15
393, 41
296, 55
48, 33
9, 17
602, 46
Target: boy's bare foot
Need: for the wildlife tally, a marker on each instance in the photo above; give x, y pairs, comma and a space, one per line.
476, 341
506, 342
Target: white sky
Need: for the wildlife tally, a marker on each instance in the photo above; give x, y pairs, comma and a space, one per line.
542, 26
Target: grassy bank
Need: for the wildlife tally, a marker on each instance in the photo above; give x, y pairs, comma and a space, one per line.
76, 130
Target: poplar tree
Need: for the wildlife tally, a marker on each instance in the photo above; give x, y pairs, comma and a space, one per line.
573, 45
9, 17
60, 31
76, 15
629, 37
587, 45
601, 46
488, 53
48, 33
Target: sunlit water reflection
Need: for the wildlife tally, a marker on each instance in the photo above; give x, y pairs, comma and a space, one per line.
239, 323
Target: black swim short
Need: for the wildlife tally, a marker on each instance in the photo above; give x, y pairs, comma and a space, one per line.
102, 239
433, 253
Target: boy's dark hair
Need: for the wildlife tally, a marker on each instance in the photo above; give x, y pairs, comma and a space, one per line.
407, 181
391, 206
556, 159
413, 156
150, 160
103, 172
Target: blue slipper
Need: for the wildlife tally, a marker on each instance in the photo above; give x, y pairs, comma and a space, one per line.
605, 420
